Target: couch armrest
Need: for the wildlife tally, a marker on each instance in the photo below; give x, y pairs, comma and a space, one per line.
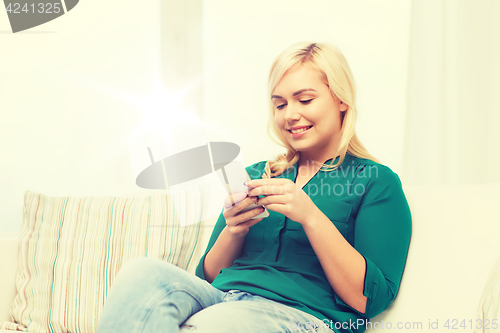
8, 266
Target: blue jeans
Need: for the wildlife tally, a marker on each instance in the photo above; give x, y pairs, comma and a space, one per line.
151, 295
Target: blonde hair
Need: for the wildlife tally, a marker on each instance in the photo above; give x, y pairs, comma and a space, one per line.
489, 304
331, 64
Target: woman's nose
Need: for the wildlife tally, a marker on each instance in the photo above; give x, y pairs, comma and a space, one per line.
291, 113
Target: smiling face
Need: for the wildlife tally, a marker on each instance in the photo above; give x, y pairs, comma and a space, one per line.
303, 100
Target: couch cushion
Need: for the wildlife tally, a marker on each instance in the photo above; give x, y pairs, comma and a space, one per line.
72, 248
453, 249
8, 264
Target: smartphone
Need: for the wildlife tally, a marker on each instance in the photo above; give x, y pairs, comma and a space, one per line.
234, 175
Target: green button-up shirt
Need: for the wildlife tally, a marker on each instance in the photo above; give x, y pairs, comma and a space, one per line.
366, 203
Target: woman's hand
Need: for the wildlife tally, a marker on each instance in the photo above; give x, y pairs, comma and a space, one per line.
283, 196
238, 225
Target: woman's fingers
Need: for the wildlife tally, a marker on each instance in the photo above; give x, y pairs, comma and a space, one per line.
246, 216
239, 222
233, 199
239, 225
242, 228
234, 210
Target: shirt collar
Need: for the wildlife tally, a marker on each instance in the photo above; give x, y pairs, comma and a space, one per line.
292, 172
348, 157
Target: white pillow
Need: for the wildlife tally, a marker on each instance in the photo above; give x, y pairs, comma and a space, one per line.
72, 248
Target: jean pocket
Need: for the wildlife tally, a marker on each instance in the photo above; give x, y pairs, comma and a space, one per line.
254, 239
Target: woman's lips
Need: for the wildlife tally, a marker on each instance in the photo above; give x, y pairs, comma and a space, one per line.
297, 135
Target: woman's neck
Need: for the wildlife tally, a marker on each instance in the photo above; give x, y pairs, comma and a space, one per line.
313, 164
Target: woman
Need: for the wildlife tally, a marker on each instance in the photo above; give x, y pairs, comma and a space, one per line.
332, 251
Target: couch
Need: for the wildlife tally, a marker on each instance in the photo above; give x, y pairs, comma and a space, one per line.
454, 245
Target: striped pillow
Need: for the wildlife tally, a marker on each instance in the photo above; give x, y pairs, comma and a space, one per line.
72, 248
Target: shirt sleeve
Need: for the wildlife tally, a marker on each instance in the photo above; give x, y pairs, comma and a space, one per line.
219, 226
382, 236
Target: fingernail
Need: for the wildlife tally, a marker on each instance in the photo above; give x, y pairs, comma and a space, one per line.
239, 195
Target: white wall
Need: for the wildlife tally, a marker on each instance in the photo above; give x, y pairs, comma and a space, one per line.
65, 112
241, 41
68, 88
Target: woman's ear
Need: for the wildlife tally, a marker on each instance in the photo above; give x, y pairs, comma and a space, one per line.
343, 107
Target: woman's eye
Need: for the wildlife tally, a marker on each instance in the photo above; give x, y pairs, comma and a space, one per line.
279, 107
